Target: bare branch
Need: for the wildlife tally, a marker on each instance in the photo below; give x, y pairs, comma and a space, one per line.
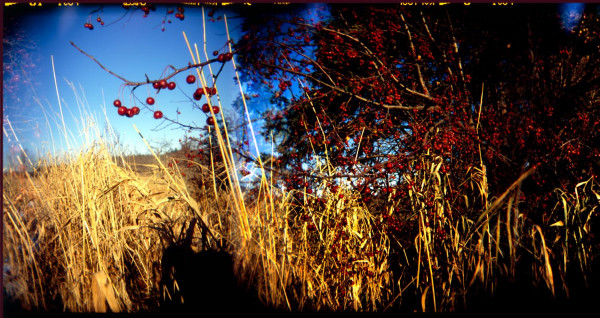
336, 88
426, 96
131, 83
102, 66
414, 51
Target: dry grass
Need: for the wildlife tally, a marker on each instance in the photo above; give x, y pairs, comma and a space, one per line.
87, 216
72, 223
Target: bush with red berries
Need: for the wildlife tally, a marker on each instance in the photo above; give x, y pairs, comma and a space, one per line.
378, 91
374, 88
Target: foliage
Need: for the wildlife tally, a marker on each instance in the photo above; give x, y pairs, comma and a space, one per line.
380, 86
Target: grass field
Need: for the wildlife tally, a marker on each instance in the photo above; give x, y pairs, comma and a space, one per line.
95, 230
139, 238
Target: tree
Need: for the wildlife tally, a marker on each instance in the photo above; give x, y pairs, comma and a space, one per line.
378, 86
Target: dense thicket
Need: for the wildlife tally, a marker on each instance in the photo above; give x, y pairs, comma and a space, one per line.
373, 88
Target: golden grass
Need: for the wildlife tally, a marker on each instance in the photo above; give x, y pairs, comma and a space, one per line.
90, 216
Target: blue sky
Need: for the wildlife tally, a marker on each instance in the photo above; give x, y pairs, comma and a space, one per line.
129, 45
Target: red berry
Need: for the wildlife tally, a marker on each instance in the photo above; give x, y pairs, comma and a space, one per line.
156, 85
117, 103
221, 58
210, 120
102, 23
163, 84
228, 56
205, 108
215, 53
209, 90
136, 110
190, 79
98, 19
199, 91
197, 96
171, 85
130, 112
122, 110
158, 114
215, 109
150, 101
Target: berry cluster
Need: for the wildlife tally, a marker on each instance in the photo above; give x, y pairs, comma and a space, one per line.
179, 15
145, 8
129, 112
224, 57
163, 84
210, 91
90, 26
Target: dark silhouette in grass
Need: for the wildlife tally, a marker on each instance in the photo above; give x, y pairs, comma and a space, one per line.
203, 281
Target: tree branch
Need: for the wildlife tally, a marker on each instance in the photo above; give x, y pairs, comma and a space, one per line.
102, 66
131, 83
336, 88
372, 55
414, 51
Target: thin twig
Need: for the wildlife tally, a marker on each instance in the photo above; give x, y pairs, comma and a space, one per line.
414, 51
131, 83
102, 66
338, 89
